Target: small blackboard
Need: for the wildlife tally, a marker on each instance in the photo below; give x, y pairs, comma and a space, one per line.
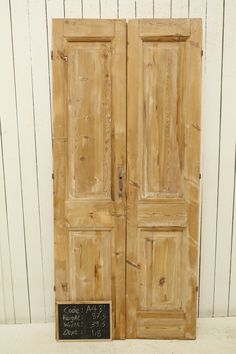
89, 320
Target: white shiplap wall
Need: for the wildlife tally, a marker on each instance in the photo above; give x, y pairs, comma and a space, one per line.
26, 213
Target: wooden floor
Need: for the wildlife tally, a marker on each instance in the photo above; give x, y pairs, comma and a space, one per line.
214, 336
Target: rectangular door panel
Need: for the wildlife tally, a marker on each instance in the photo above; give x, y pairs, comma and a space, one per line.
163, 130
89, 125
159, 258
90, 254
89, 147
163, 152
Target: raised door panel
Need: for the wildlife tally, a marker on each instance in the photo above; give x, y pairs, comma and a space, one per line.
163, 160
160, 261
90, 255
163, 151
89, 146
89, 125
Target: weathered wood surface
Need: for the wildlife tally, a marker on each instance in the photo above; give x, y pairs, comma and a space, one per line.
163, 156
89, 146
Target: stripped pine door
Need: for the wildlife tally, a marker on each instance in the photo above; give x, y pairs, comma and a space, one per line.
89, 149
163, 142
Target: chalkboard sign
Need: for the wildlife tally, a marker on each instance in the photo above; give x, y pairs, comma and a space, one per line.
84, 320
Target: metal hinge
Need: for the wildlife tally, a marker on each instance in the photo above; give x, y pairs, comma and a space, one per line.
202, 52
196, 289
54, 288
200, 175
51, 54
52, 175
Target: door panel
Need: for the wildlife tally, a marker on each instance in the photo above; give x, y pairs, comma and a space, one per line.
89, 125
89, 146
163, 151
159, 278
162, 166
90, 276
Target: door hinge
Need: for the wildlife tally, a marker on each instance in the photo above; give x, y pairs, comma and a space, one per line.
54, 288
202, 52
51, 54
196, 289
52, 175
200, 176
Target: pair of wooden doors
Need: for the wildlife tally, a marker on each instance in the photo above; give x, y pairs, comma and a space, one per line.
126, 141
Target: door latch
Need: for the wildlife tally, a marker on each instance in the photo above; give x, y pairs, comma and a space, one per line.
121, 174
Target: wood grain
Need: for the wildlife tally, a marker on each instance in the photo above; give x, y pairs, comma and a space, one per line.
89, 96
163, 155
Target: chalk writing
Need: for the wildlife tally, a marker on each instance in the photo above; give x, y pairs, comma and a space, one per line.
84, 321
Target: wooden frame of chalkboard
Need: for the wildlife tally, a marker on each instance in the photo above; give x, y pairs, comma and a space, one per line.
61, 305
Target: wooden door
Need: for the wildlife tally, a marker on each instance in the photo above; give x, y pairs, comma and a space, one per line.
163, 141
89, 149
